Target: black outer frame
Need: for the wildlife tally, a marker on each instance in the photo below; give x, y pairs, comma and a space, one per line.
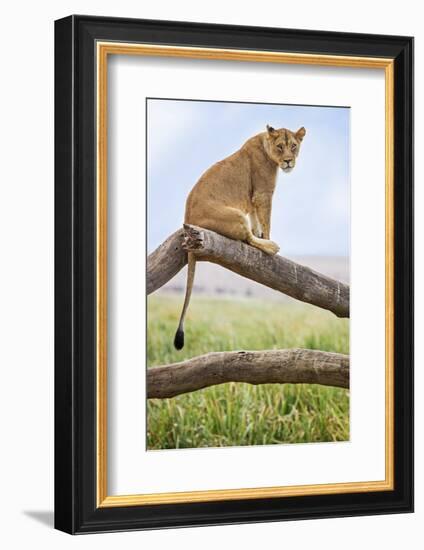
75, 274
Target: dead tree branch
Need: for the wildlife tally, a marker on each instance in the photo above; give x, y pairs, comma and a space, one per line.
166, 261
292, 366
276, 272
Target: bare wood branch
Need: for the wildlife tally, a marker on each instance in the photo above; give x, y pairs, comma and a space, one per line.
166, 261
292, 366
276, 272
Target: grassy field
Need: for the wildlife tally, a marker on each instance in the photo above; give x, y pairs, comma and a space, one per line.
241, 414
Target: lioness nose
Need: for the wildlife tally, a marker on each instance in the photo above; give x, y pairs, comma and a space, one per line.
287, 160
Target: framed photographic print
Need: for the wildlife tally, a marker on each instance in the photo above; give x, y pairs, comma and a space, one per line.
234, 274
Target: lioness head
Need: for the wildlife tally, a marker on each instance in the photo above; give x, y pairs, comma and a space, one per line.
283, 145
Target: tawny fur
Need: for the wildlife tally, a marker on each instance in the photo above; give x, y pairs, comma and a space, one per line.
234, 196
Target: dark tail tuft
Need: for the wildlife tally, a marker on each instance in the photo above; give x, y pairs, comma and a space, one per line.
179, 339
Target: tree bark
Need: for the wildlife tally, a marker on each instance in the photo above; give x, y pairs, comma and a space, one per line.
293, 366
166, 261
275, 272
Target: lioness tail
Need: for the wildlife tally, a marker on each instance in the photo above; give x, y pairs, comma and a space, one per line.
179, 335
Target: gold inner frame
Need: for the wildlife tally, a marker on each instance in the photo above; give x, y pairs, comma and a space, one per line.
104, 49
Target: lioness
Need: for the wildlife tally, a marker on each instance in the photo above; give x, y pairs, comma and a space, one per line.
234, 196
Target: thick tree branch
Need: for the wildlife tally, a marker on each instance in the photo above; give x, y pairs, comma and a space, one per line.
276, 272
166, 261
292, 366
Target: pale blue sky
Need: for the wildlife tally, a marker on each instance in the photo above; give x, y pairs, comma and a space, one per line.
311, 205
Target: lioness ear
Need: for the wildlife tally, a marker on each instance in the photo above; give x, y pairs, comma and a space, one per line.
300, 134
271, 131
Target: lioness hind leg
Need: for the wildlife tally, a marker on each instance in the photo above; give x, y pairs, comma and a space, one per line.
235, 224
228, 221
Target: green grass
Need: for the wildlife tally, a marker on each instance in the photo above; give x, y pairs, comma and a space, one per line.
241, 414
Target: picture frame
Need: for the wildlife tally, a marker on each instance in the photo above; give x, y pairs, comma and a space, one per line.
83, 45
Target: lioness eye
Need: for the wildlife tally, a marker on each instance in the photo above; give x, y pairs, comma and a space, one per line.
293, 147
280, 147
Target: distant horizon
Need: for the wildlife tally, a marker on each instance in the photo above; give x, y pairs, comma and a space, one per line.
311, 206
